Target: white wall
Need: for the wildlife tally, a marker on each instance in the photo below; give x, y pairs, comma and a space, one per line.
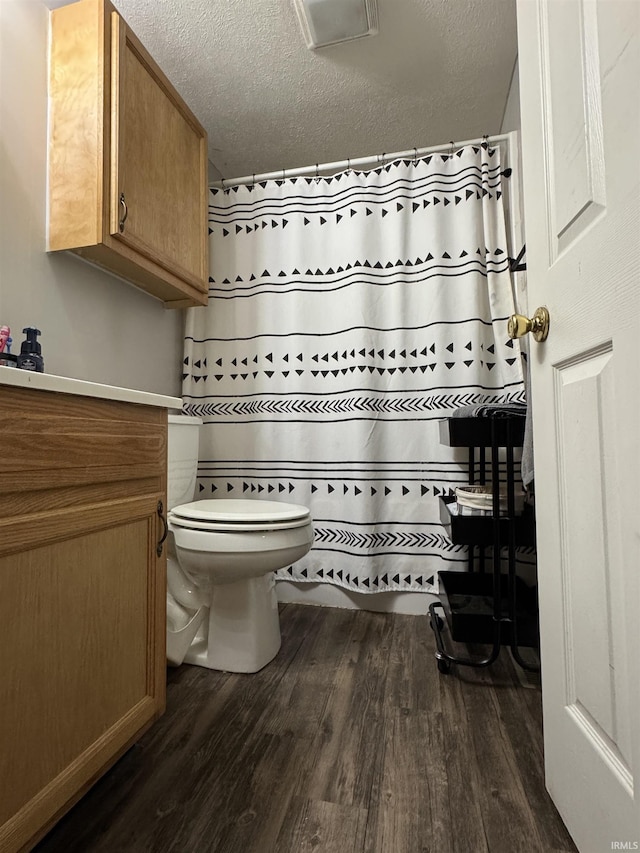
93, 325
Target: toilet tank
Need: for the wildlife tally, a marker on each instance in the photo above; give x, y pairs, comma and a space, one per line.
182, 458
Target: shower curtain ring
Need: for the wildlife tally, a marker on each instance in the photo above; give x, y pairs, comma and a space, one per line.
317, 173
452, 143
415, 156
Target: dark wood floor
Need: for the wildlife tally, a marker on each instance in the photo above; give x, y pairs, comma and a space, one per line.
349, 741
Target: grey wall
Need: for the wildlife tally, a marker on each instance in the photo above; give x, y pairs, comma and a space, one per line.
511, 118
510, 122
94, 326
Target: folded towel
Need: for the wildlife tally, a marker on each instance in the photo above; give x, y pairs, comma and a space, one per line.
491, 410
526, 464
508, 410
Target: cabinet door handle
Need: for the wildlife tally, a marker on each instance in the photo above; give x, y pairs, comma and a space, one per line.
125, 212
165, 528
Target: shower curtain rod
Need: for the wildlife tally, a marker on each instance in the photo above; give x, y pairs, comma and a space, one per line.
361, 162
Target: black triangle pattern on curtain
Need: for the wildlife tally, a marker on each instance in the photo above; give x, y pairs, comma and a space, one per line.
464, 186
347, 316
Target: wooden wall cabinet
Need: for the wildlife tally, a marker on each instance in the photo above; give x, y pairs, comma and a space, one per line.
128, 162
82, 609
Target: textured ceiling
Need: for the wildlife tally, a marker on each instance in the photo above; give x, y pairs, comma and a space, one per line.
438, 70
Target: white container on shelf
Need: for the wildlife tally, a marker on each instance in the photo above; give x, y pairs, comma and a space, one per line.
478, 500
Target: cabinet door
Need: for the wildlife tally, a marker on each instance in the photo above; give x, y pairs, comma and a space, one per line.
78, 658
158, 164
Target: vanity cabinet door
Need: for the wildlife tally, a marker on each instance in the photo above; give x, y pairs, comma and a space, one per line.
82, 608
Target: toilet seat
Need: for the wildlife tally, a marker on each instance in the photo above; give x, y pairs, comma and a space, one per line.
239, 515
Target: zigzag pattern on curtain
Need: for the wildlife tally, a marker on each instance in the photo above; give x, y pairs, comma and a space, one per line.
347, 315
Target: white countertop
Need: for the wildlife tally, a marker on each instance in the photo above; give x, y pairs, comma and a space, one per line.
64, 385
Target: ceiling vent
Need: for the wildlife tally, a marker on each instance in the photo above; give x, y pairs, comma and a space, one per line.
327, 22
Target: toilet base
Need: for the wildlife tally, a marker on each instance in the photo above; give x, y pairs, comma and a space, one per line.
242, 633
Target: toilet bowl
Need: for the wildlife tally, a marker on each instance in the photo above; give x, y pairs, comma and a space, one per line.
229, 549
222, 611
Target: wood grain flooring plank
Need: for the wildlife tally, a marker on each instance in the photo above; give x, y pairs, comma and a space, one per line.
311, 826
520, 714
343, 758
412, 811
412, 677
245, 811
509, 823
463, 777
298, 702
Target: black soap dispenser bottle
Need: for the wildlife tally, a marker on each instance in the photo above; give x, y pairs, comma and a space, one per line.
30, 357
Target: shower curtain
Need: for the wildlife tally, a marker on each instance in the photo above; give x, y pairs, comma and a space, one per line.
348, 315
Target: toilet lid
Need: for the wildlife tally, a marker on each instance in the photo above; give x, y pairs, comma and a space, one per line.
240, 512
235, 527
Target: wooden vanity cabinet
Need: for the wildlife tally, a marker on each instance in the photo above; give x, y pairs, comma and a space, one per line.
127, 158
83, 597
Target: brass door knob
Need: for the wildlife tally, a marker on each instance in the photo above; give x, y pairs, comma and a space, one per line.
538, 325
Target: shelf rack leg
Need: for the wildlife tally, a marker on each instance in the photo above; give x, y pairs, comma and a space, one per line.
437, 623
511, 586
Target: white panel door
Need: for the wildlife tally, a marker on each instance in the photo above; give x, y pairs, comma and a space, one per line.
580, 83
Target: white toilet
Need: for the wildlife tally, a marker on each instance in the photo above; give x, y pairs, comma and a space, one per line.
222, 610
